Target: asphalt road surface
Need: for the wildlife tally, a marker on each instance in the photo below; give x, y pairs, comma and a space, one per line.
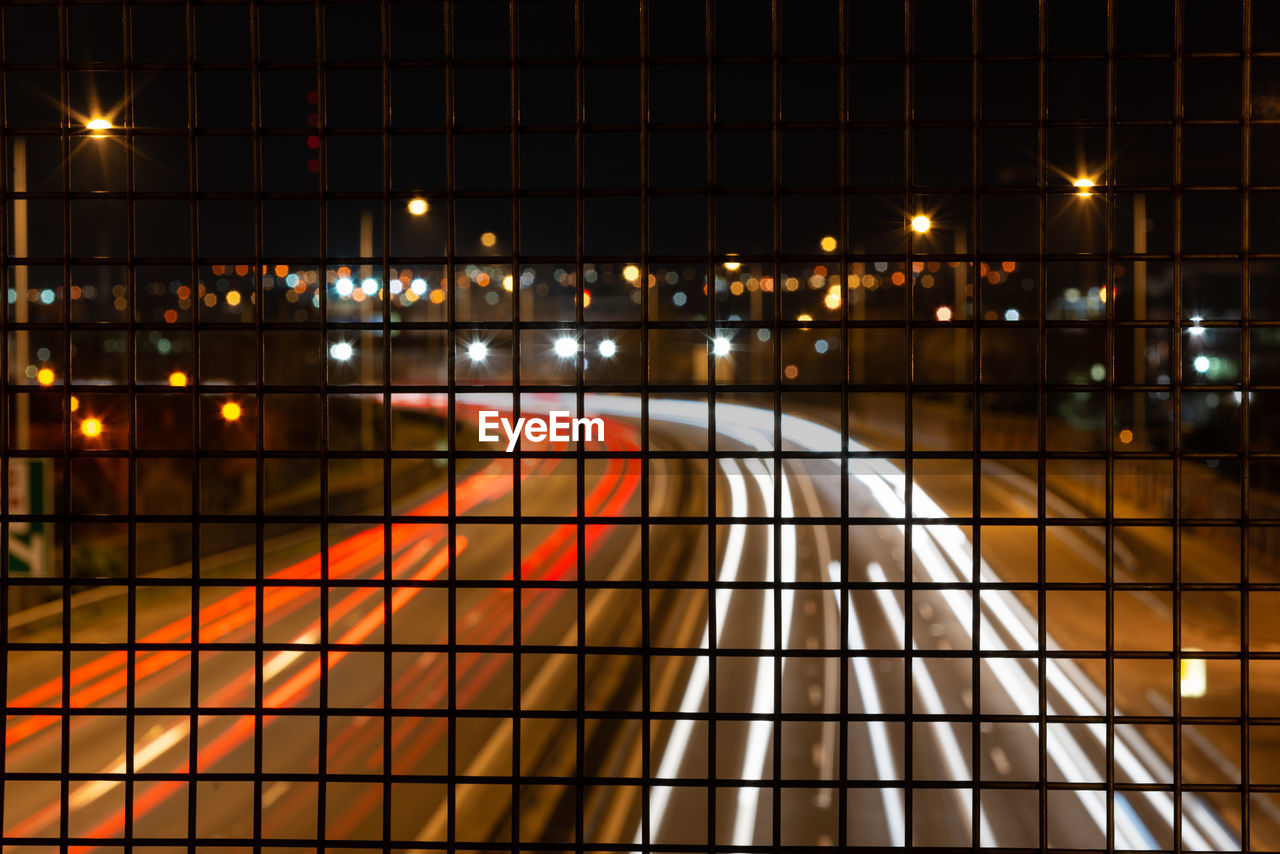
763, 721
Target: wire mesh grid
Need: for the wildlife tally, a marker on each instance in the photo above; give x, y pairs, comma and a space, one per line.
934, 349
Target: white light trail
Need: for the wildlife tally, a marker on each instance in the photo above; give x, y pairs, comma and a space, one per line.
877, 732
952, 753
677, 745
887, 485
760, 731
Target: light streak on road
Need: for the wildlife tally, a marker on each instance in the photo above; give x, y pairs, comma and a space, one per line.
218, 619
887, 485
878, 733
943, 551
677, 746
760, 731
944, 732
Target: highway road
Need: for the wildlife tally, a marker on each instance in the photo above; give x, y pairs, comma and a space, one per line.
765, 721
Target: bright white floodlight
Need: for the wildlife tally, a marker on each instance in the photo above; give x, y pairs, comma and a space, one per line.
566, 347
608, 348
721, 346
342, 351
477, 351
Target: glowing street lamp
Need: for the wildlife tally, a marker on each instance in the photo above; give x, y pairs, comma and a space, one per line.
608, 348
1084, 187
920, 224
721, 346
230, 411
477, 351
341, 351
566, 347
418, 206
91, 428
178, 379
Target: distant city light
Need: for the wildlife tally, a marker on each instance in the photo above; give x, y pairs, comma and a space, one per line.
45, 376
91, 427
344, 287
488, 239
75, 403
566, 347
1201, 364
828, 244
1012, 314
721, 346
733, 265
477, 351
418, 286
97, 126
1084, 186
1126, 436
631, 273
230, 411
177, 379
1196, 328
341, 350
679, 298
608, 348
369, 286
418, 207
943, 313
508, 283
920, 224
821, 345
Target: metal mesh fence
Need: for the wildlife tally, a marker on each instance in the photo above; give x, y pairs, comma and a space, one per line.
932, 345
